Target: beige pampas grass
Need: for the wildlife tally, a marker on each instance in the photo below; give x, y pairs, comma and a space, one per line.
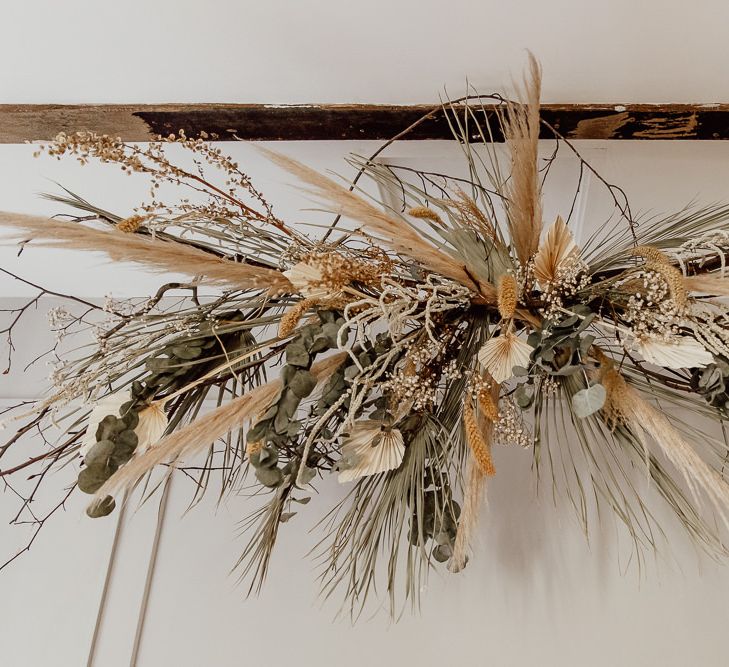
154, 254
521, 130
396, 233
556, 250
198, 435
708, 283
625, 405
472, 498
507, 296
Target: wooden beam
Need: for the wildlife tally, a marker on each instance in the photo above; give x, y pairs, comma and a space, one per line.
20, 123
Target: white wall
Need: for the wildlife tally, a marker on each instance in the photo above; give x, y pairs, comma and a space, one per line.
403, 51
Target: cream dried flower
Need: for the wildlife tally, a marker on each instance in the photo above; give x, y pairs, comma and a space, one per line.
371, 448
501, 353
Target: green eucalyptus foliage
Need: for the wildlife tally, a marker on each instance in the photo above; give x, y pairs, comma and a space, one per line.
559, 345
278, 427
182, 361
435, 520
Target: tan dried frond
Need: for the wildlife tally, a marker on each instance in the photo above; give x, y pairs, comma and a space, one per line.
508, 295
154, 254
396, 233
132, 223
557, 249
708, 283
521, 130
673, 278
205, 430
293, 316
425, 213
480, 447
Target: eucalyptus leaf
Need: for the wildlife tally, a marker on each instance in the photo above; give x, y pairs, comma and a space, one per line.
303, 383
100, 508
270, 477
588, 401
296, 354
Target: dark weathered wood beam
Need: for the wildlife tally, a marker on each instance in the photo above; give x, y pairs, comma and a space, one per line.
20, 123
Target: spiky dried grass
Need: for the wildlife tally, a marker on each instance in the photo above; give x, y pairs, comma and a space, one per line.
521, 130
508, 295
154, 254
473, 494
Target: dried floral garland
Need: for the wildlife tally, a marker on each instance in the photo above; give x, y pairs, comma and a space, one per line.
408, 347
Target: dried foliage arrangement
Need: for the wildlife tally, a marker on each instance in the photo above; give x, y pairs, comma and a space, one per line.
406, 349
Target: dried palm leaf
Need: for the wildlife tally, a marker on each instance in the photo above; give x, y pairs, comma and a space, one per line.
501, 353
371, 449
678, 352
556, 250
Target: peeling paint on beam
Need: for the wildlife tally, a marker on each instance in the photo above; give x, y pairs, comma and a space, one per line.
345, 122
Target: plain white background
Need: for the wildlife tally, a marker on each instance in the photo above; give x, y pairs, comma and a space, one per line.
536, 592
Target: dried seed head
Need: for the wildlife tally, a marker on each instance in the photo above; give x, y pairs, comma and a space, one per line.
293, 316
488, 406
425, 213
674, 280
650, 253
508, 295
131, 224
480, 448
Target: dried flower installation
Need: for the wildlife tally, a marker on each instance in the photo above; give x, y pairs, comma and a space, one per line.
396, 354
